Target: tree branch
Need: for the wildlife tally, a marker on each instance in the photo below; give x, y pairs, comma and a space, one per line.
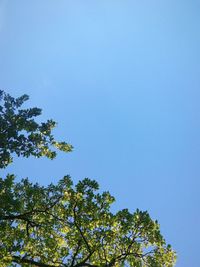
19, 260
80, 231
76, 253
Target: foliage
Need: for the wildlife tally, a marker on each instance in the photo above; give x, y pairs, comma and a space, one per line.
62, 225
20, 133
71, 226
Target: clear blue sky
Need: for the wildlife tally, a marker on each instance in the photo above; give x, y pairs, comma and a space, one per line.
122, 79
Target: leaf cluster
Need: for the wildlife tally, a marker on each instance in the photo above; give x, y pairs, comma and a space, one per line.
22, 135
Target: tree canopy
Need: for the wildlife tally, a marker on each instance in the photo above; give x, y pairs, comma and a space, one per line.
65, 225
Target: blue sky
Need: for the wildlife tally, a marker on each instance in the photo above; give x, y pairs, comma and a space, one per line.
122, 79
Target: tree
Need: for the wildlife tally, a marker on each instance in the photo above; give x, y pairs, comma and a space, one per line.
65, 225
